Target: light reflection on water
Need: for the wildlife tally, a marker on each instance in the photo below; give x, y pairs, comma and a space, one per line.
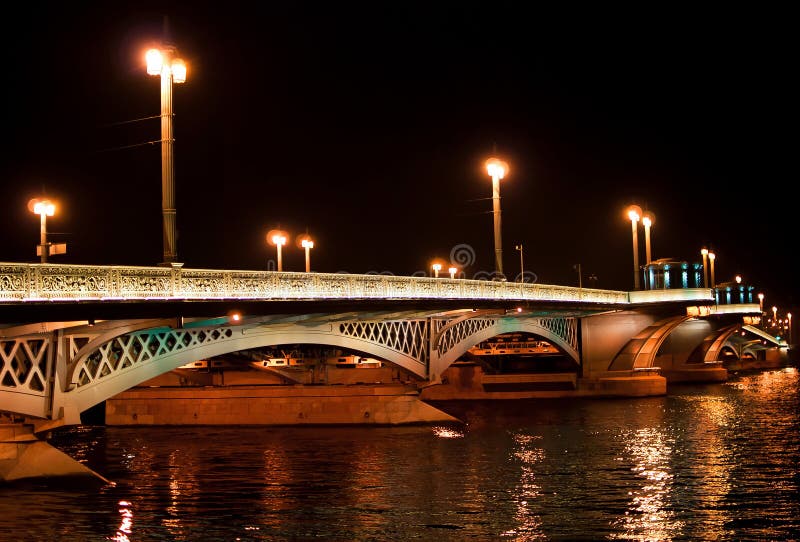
527, 453
706, 462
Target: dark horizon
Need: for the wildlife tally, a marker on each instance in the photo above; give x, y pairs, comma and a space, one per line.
368, 128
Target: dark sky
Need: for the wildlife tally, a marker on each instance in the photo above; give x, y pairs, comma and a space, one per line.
367, 124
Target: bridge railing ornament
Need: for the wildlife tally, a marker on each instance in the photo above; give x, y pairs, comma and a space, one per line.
62, 282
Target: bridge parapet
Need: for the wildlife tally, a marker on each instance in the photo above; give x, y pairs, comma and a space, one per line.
20, 282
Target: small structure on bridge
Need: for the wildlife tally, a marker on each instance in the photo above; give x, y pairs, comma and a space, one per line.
668, 273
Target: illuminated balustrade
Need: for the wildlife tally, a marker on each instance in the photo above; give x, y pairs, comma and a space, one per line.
60, 282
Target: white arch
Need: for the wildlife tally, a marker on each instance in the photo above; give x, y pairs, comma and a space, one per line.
82, 397
502, 325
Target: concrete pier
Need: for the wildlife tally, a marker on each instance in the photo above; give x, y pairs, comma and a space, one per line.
469, 381
273, 405
23, 455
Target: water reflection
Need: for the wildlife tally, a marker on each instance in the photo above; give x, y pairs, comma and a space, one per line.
126, 524
528, 453
706, 462
713, 457
184, 489
649, 516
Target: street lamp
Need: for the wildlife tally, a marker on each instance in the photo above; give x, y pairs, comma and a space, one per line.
43, 208
307, 244
497, 170
436, 268
789, 318
453, 271
634, 213
711, 258
704, 252
648, 219
774, 315
521, 263
279, 239
165, 62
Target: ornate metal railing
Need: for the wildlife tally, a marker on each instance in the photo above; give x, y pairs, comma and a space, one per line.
59, 282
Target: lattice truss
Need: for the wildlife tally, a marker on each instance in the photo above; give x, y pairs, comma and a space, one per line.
407, 337
460, 331
141, 347
566, 328
25, 364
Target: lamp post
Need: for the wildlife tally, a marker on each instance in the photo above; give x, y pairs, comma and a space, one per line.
43, 208
774, 316
436, 268
789, 319
497, 170
279, 240
307, 244
704, 252
711, 258
648, 220
165, 62
521, 263
453, 271
634, 213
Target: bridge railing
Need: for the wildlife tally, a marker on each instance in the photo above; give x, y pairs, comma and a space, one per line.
20, 282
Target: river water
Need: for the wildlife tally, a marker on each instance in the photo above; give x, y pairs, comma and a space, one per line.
705, 462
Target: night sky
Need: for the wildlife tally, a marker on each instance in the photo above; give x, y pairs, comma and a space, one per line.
367, 125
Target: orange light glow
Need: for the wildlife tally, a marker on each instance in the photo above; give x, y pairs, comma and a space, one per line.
42, 207
497, 169
634, 213
178, 71
155, 61
277, 237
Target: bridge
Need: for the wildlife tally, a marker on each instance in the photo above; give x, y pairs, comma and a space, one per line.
75, 336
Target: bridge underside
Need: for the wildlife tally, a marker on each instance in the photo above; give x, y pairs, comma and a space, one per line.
56, 370
59, 370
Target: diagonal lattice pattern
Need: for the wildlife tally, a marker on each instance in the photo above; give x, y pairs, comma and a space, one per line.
23, 364
407, 337
566, 328
125, 351
460, 331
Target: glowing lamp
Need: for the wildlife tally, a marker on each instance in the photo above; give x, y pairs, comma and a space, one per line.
497, 169
178, 71
44, 207
155, 61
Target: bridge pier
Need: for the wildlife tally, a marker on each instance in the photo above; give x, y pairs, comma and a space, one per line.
24, 455
273, 405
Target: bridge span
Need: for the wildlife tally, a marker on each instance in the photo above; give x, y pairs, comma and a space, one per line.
75, 336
